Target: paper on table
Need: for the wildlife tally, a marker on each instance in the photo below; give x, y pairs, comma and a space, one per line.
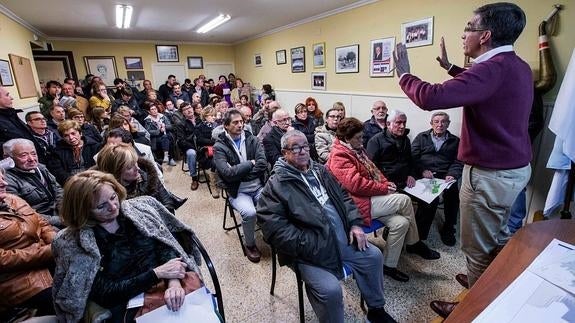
541, 293
423, 189
198, 307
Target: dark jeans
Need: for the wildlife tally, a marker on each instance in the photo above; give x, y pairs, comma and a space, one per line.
42, 302
426, 212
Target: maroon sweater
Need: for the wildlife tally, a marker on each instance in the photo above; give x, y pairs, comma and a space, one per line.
496, 96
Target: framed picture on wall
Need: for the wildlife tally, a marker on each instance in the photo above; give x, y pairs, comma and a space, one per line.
381, 62
258, 60
136, 75
102, 66
347, 59
6, 78
468, 61
195, 62
298, 60
318, 81
281, 57
318, 55
417, 33
167, 53
133, 63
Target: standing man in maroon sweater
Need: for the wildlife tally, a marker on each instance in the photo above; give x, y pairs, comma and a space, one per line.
496, 93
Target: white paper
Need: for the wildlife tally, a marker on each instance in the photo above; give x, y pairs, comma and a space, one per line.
423, 187
198, 307
136, 301
541, 293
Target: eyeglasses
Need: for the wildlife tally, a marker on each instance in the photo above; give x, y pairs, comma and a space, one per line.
38, 119
470, 29
298, 149
334, 116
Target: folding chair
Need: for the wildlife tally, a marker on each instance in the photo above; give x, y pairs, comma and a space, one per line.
229, 208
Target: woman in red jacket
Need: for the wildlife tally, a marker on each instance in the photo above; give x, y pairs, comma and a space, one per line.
374, 196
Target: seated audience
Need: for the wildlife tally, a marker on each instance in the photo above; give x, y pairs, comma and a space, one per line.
223, 89
306, 124
127, 99
178, 94
247, 112
390, 151
88, 129
165, 90
25, 256
241, 164
373, 195
56, 115
76, 101
240, 90
269, 91
117, 246
136, 174
74, 153
118, 121
324, 135
161, 138
314, 111
377, 123
186, 134
266, 123
314, 226
100, 119
100, 97
199, 88
205, 143
136, 125
272, 146
32, 181
45, 137
434, 155
339, 107
52, 97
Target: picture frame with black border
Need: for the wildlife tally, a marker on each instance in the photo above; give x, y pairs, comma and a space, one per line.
298, 59
258, 60
167, 53
318, 80
281, 57
102, 66
6, 78
417, 33
347, 59
133, 63
318, 51
195, 62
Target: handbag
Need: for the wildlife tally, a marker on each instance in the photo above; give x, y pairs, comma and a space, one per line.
154, 297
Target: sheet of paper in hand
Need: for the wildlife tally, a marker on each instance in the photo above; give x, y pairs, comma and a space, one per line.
428, 189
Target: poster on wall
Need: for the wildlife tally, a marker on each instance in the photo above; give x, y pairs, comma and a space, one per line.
381, 62
298, 60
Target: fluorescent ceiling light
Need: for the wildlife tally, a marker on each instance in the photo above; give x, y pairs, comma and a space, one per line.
213, 23
123, 16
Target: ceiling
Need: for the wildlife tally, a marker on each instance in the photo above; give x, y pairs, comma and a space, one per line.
168, 20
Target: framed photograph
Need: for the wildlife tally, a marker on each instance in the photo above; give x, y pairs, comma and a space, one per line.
195, 62
417, 33
467, 62
102, 66
298, 59
133, 63
167, 53
258, 60
381, 57
347, 59
281, 57
318, 55
318, 80
6, 78
136, 76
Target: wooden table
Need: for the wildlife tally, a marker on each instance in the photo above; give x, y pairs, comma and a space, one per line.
517, 255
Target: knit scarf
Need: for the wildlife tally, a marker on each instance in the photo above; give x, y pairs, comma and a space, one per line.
361, 155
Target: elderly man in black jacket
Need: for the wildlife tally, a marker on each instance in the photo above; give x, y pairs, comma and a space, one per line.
315, 226
241, 164
434, 154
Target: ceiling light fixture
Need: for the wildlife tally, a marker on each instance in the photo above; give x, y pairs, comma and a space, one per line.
123, 16
213, 23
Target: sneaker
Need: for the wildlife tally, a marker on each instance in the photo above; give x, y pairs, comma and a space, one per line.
379, 315
421, 249
172, 162
165, 160
253, 254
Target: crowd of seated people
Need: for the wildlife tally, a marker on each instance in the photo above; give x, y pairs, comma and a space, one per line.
129, 134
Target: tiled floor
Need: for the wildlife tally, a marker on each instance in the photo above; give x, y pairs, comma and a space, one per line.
245, 286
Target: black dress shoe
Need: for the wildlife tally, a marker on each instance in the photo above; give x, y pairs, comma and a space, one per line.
448, 238
421, 249
395, 274
462, 280
442, 308
379, 315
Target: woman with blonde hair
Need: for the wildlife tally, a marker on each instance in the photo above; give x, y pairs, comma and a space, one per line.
114, 249
100, 97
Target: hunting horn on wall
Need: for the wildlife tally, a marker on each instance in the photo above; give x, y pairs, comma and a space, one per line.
547, 73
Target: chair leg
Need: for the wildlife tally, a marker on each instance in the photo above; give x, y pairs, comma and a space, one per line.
300, 295
274, 264
230, 208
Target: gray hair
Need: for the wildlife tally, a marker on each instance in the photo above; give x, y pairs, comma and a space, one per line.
278, 113
288, 135
393, 114
439, 113
8, 146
